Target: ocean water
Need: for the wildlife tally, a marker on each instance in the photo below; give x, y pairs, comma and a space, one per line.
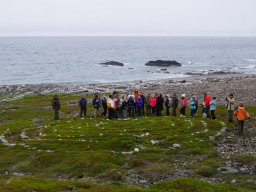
75, 60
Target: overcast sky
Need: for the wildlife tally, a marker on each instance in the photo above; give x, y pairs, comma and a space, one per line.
128, 17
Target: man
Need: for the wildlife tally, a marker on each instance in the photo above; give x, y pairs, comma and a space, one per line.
104, 105
144, 101
56, 106
96, 104
207, 100
110, 104
82, 105
230, 106
240, 113
175, 103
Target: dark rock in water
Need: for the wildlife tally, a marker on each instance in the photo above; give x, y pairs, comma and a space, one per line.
130, 68
183, 81
113, 63
163, 69
162, 63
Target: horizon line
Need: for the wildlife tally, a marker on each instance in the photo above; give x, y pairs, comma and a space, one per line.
127, 35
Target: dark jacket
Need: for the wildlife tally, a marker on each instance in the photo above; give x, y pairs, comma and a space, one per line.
124, 105
130, 103
104, 103
96, 102
167, 103
175, 102
143, 99
159, 103
55, 104
83, 103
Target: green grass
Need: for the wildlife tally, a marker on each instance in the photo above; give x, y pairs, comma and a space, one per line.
88, 153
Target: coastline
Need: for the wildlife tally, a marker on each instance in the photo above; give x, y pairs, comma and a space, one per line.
241, 85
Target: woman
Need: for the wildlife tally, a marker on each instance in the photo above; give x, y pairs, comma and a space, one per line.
139, 104
152, 103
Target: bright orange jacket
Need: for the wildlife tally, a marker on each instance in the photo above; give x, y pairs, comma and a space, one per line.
136, 96
240, 113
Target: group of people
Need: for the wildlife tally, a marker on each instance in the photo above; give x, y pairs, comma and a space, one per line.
117, 106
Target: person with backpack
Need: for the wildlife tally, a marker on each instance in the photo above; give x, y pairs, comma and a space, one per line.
131, 106
82, 104
96, 104
213, 107
175, 104
230, 106
104, 105
136, 96
56, 106
183, 105
139, 104
240, 113
196, 104
167, 105
110, 105
152, 103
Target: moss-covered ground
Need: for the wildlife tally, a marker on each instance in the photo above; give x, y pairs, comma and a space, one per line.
88, 154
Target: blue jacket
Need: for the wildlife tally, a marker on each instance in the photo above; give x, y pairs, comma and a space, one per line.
192, 104
213, 105
82, 103
139, 102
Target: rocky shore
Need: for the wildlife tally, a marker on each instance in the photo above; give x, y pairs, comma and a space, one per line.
243, 88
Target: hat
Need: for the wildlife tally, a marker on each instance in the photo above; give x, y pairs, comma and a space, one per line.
183, 95
231, 94
194, 96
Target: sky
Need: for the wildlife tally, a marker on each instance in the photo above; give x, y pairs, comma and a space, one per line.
127, 18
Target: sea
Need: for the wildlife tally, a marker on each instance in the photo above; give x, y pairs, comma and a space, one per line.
75, 60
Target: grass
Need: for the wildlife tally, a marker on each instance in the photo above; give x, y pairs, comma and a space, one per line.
88, 153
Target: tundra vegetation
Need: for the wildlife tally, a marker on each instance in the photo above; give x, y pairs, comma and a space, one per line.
147, 153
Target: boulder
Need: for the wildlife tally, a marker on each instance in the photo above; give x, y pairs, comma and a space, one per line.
162, 63
112, 63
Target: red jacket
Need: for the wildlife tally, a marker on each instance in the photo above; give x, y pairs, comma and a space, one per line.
207, 100
184, 102
152, 102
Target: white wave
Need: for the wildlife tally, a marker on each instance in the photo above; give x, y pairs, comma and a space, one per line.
248, 67
250, 60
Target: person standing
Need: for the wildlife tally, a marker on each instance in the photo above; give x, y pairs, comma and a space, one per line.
82, 105
144, 101
148, 108
131, 106
184, 103
240, 113
230, 106
175, 103
152, 103
104, 105
167, 105
110, 104
207, 100
56, 106
96, 104
213, 107
139, 104
196, 104
124, 107
136, 96
192, 107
